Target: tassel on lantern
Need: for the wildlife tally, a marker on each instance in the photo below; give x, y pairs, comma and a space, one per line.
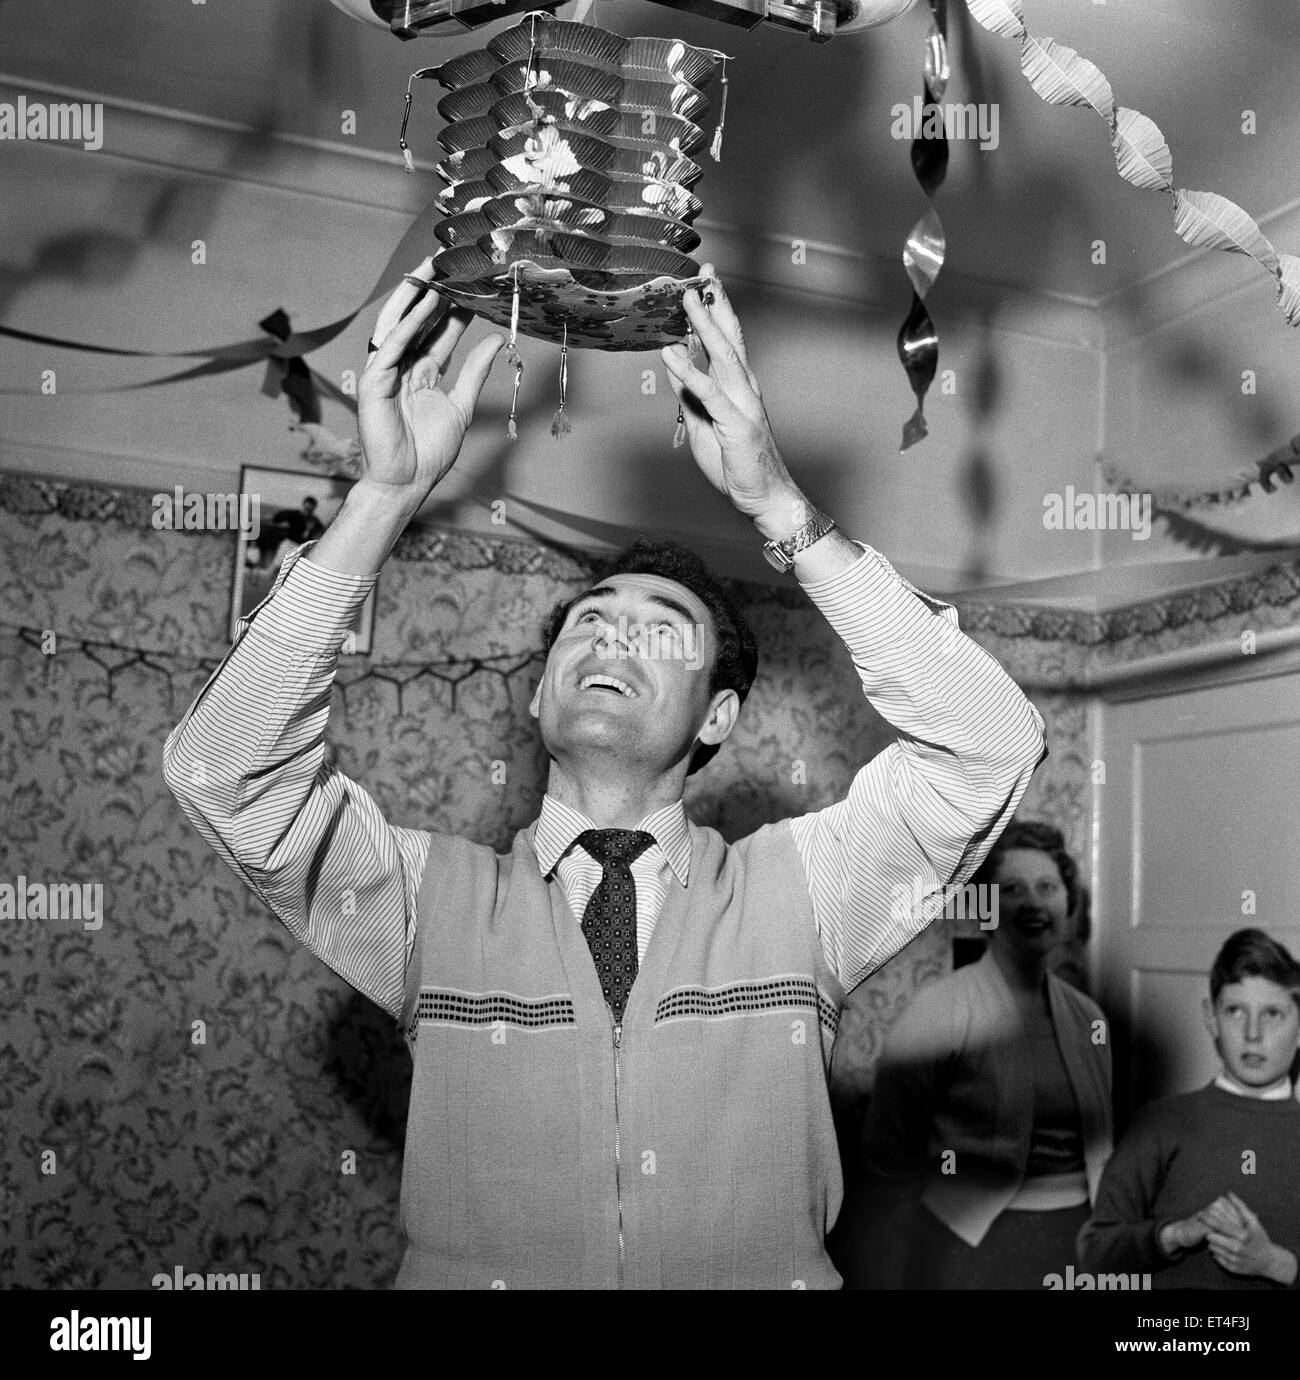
514, 357
407, 157
560, 423
512, 350
532, 77
512, 429
715, 149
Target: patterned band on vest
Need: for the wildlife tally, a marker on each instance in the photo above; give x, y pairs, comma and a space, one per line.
609, 922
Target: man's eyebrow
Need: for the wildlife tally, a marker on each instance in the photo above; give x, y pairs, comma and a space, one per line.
601, 592
664, 602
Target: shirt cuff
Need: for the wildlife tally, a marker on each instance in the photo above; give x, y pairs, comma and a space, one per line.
309, 607
870, 598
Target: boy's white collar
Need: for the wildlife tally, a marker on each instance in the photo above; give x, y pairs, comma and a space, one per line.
1277, 1094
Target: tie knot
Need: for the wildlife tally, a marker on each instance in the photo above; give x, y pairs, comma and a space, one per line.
615, 845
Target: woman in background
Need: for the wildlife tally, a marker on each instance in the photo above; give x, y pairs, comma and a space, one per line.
990, 1120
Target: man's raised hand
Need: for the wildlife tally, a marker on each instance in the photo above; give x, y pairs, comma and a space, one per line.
726, 423
410, 429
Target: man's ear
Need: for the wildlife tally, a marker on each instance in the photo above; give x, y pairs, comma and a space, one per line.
535, 704
721, 719
1211, 1020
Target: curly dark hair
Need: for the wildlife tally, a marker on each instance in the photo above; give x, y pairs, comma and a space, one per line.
1252, 953
1043, 838
736, 663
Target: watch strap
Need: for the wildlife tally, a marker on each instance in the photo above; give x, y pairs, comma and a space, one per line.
782, 553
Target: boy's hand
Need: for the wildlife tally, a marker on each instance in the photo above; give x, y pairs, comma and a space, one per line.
1183, 1235
1225, 1216
1245, 1248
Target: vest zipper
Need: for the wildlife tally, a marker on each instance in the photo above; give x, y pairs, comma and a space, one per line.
618, 1184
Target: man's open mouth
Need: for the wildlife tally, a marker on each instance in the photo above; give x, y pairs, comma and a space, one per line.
609, 683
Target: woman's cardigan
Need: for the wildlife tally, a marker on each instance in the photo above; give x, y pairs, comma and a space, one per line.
951, 1116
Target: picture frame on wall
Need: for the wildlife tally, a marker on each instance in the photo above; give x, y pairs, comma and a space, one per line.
291, 507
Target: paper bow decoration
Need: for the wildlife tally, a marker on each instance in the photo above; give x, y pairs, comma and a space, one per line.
568, 207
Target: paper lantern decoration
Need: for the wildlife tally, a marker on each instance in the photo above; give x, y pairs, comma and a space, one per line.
857, 15
568, 207
819, 19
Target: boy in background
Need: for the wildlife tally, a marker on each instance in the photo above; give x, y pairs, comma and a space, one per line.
1203, 1192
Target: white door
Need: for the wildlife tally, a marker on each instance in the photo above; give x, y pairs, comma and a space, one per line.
1198, 835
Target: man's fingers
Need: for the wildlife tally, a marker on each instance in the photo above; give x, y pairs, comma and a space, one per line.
714, 300
723, 312
690, 405
440, 340
708, 393
400, 299
397, 341
727, 362
473, 374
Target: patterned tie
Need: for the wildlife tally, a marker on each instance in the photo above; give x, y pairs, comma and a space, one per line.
610, 918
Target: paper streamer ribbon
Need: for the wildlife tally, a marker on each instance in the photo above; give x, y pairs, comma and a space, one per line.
923, 254
1204, 220
289, 376
411, 250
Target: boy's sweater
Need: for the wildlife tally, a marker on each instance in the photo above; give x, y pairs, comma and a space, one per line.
1180, 1154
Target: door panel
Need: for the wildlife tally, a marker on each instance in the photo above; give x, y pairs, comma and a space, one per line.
1199, 821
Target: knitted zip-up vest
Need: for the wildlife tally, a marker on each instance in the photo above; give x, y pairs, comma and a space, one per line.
691, 1148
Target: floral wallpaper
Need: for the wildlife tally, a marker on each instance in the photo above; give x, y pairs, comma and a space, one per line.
225, 1147
183, 1087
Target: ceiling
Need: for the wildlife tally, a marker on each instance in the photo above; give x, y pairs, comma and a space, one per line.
808, 151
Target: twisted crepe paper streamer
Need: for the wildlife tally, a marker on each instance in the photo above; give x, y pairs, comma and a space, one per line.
923, 254
1277, 464
1203, 219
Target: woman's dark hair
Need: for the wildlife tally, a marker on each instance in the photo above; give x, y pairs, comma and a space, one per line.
736, 663
1252, 953
1043, 838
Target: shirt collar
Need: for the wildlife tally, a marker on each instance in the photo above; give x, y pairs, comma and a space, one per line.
559, 825
1278, 1094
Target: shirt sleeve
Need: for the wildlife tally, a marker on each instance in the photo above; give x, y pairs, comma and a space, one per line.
1123, 1234
922, 814
249, 766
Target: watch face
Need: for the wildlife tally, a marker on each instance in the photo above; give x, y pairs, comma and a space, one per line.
776, 559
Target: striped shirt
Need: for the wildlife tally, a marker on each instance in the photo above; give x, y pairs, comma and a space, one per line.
250, 768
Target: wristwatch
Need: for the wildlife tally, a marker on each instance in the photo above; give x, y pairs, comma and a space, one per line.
780, 554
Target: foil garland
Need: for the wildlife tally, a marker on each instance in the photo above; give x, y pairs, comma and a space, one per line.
923, 253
